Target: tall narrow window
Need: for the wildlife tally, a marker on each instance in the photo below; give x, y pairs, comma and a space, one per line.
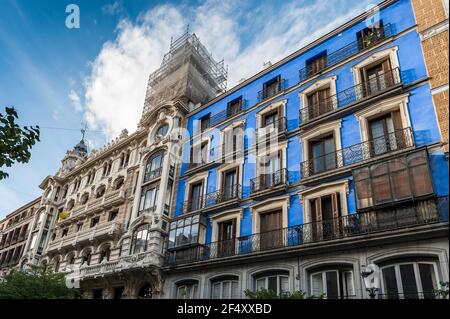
234, 107
319, 103
271, 233
154, 165
229, 187
196, 196
382, 133
271, 87
322, 154
325, 214
148, 199
227, 238
140, 239
376, 77
317, 63
205, 123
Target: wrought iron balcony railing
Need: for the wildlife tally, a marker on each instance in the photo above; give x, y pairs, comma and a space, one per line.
227, 113
398, 217
268, 181
152, 174
267, 93
347, 51
408, 295
369, 88
353, 154
212, 199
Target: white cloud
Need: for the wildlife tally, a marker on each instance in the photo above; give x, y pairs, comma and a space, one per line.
75, 100
115, 90
113, 8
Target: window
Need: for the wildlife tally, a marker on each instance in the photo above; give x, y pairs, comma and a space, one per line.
367, 37
319, 102
400, 178
154, 165
409, 280
118, 183
148, 199
317, 63
185, 231
233, 142
112, 215
385, 133
227, 237
104, 254
334, 283
225, 288
377, 77
322, 154
86, 260
196, 196
79, 227
84, 198
140, 239
229, 184
187, 290
95, 221
199, 154
70, 204
162, 130
100, 191
325, 214
271, 87
276, 281
271, 233
234, 107
205, 123
65, 232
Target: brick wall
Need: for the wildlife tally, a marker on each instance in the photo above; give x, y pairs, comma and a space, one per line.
428, 12
441, 103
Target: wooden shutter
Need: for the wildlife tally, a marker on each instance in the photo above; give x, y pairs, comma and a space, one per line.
397, 120
335, 202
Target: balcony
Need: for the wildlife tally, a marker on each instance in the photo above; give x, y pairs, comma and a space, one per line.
218, 155
268, 182
377, 85
111, 198
227, 113
398, 140
347, 51
152, 175
214, 200
400, 217
272, 91
99, 231
124, 263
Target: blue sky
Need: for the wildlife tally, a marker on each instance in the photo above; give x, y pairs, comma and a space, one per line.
59, 78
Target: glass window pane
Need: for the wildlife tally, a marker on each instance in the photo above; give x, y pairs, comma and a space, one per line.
216, 291
317, 285
235, 290
284, 284
332, 284
428, 280
408, 281
390, 282
226, 290
273, 284
260, 284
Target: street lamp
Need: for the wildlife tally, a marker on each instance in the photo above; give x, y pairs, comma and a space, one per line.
371, 276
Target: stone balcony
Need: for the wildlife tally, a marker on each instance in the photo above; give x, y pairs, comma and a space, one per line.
100, 231
146, 259
111, 198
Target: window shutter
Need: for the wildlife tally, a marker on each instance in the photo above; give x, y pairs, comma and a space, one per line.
335, 201
317, 284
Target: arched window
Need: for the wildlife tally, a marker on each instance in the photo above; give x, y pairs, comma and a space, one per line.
162, 130
277, 281
146, 292
226, 287
57, 264
86, 260
71, 259
70, 204
333, 282
154, 166
118, 182
100, 191
187, 289
140, 239
104, 254
84, 198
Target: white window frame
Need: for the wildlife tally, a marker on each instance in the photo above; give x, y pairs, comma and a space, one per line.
324, 280
191, 288
377, 56
266, 282
266, 207
416, 275
320, 84
221, 283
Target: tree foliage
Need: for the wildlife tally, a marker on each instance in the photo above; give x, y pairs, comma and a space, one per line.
36, 282
15, 142
270, 294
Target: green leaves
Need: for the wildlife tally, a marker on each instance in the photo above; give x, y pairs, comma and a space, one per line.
15, 142
37, 282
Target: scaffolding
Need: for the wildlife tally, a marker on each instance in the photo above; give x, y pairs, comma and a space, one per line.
188, 48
